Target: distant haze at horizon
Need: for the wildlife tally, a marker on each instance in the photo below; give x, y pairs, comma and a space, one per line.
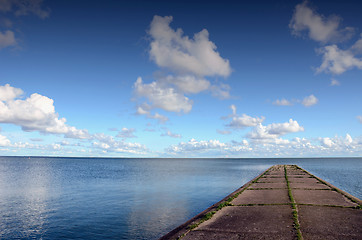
181, 79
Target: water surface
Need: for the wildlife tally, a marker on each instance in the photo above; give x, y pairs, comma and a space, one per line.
92, 198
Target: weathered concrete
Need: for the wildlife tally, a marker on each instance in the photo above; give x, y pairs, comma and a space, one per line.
264, 196
330, 222
285, 202
268, 185
301, 185
256, 223
321, 197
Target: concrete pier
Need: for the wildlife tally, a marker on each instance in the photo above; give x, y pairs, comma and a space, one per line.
285, 202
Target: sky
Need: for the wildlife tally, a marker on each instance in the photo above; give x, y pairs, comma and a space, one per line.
137, 78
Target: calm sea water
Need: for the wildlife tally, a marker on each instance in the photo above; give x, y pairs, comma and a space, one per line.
90, 198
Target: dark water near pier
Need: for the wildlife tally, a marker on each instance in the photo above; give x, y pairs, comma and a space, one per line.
91, 198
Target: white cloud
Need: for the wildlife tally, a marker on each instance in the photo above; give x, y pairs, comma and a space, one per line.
359, 118
339, 143
8, 92
109, 144
187, 83
145, 110
126, 133
187, 61
335, 82
168, 133
269, 147
324, 30
166, 98
284, 128
274, 130
310, 101
357, 47
221, 91
319, 28
172, 50
24, 7
196, 146
233, 108
4, 141
7, 39
327, 142
141, 110
307, 101
243, 120
159, 117
338, 61
282, 102
36, 113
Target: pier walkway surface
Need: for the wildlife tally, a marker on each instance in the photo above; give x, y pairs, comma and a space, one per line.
285, 202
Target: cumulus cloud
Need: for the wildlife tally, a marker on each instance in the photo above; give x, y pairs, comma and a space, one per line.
307, 101
4, 141
172, 50
8, 92
221, 91
328, 30
107, 143
168, 133
166, 98
145, 110
126, 133
343, 146
274, 130
7, 39
282, 102
319, 28
337, 61
196, 146
24, 7
188, 84
310, 101
35, 113
357, 47
338, 142
243, 120
187, 61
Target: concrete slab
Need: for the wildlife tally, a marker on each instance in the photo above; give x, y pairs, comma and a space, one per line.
220, 235
275, 173
271, 180
295, 172
268, 185
330, 218
250, 222
321, 197
303, 180
299, 176
262, 197
330, 222
308, 185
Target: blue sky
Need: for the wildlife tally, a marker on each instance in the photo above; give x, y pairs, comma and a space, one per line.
181, 78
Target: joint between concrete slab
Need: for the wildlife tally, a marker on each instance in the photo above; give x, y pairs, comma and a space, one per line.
294, 207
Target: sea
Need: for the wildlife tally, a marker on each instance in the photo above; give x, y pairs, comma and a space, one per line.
117, 198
